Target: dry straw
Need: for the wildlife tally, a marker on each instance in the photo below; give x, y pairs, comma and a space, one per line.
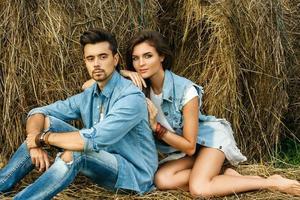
40, 55
85, 190
240, 52
244, 53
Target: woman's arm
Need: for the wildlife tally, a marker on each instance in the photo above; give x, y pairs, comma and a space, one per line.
133, 76
187, 142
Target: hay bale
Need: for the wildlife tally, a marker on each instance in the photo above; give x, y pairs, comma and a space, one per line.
40, 57
291, 18
83, 189
238, 51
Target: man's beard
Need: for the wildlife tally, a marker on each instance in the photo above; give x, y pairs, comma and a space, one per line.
99, 75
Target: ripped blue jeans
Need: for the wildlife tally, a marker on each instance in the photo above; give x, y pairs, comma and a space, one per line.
101, 167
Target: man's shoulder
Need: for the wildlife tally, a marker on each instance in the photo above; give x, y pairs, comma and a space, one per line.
126, 87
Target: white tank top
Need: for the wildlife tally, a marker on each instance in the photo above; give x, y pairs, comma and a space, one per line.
157, 101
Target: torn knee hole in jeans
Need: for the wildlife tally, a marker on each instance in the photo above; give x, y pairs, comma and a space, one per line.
47, 123
67, 157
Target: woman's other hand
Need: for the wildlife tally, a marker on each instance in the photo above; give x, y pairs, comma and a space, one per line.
88, 84
135, 77
152, 112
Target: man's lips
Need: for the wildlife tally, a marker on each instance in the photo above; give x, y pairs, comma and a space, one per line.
98, 71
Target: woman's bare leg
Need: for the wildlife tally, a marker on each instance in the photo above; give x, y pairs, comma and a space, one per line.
205, 180
232, 172
174, 174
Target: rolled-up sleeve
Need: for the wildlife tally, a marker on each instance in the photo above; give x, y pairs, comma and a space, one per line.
125, 114
200, 93
65, 110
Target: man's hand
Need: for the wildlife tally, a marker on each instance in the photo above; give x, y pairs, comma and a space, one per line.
39, 158
30, 140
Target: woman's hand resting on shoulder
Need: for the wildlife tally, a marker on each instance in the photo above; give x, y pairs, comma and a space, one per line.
135, 77
88, 84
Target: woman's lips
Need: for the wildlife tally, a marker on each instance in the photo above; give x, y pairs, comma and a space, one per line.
143, 71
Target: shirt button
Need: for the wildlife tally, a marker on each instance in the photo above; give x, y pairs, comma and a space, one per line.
95, 122
220, 147
202, 142
166, 113
98, 107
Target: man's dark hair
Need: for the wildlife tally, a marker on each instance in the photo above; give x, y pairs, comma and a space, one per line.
154, 39
94, 36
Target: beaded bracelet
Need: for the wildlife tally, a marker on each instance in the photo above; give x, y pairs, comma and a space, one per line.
160, 131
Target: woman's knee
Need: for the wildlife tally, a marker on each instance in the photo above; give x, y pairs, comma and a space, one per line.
162, 180
200, 190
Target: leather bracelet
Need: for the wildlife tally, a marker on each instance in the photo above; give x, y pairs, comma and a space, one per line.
40, 139
47, 137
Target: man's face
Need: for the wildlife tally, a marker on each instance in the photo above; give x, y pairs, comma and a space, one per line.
100, 61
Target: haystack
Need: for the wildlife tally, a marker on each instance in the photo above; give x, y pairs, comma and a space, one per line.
40, 54
239, 51
83, 189
291, 13
244, 53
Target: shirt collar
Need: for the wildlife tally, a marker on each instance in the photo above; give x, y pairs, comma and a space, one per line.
168, 86
109, 87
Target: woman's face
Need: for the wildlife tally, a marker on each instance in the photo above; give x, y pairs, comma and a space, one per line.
146, 60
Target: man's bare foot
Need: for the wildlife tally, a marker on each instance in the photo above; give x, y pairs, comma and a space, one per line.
285, 185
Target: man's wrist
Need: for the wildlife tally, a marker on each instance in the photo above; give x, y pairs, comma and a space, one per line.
41, 140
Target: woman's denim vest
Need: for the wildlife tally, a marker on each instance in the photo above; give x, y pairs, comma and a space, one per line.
174, 88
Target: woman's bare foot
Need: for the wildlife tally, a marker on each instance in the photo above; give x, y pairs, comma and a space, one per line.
285, 185
232, 172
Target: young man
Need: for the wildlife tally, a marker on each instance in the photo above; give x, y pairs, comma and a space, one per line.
115, 149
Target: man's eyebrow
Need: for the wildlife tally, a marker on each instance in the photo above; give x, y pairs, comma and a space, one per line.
101, 54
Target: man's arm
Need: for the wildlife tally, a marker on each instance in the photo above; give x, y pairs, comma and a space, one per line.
68, 140
126, 113
35, 125
65, 110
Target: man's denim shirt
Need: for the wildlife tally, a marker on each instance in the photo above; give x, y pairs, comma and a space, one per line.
123, 131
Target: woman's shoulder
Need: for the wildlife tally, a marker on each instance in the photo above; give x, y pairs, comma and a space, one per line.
178, 79
182, 82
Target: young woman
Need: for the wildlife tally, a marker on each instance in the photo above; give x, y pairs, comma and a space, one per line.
196, 145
